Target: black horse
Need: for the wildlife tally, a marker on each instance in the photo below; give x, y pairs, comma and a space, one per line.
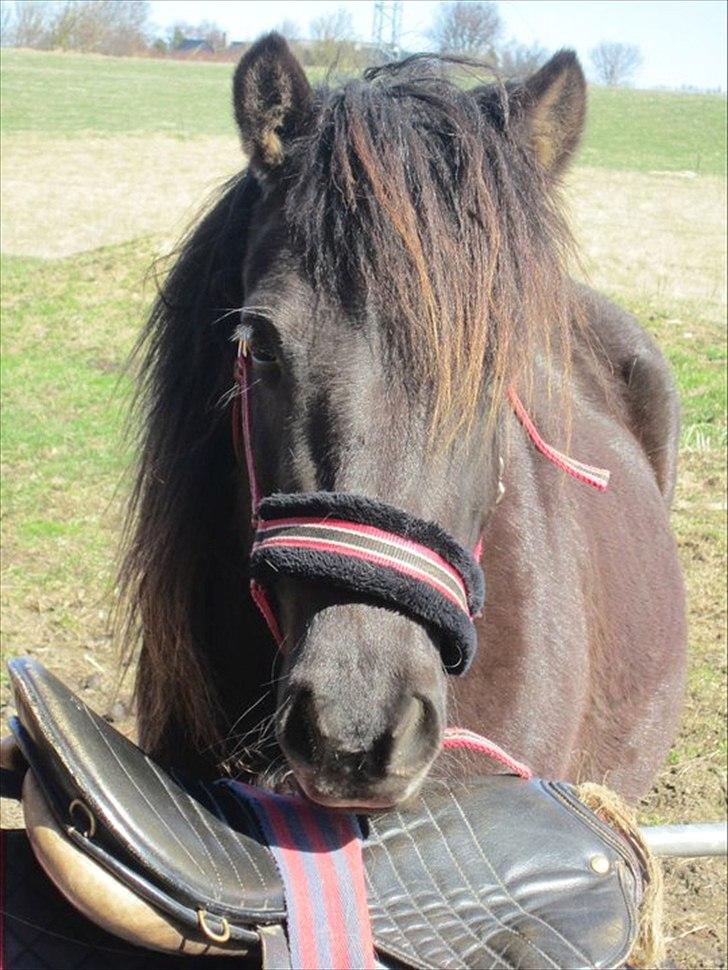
394, 257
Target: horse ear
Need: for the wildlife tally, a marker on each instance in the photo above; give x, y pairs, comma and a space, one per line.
272, 100
551, 109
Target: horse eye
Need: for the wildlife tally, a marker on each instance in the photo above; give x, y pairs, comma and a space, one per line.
262, 353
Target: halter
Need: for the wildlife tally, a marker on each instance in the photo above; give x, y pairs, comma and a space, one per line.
358, 545
378, 552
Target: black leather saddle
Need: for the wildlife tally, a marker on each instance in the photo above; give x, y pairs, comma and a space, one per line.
496, 872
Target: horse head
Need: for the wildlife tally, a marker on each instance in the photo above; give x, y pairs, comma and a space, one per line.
395, 262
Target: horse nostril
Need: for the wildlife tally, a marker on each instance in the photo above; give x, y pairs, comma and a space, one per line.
334, 759
301, 734
415, 736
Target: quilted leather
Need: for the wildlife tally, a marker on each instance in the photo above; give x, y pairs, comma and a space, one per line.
189, 857
498, 872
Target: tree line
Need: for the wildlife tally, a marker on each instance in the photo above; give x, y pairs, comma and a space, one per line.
466, 28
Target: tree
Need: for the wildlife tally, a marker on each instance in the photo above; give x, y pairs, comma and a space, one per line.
519, 60
289, 29
468, 28
27, 24
332, 35
102, 26
6, 23
615, 63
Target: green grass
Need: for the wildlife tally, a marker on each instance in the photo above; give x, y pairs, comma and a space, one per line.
68, 326
697, 353
647, 131
73, 94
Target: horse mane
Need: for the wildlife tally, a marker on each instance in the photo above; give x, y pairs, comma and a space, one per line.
183, 545
423, 200
410, 196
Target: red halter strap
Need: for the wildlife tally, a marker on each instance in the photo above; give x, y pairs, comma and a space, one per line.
369, 544
586, 474
591, 475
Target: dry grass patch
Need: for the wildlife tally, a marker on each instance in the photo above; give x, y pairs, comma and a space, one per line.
64, 196
653, 235
660, 236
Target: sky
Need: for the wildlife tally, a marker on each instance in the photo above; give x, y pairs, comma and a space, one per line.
683, 42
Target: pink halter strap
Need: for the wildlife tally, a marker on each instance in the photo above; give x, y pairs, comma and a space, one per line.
598, 478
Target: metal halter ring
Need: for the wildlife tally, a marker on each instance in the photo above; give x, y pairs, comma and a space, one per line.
91, 829
222, 937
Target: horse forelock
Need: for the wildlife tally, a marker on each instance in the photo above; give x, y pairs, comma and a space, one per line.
414, 197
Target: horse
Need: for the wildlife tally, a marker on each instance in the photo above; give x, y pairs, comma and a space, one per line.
395, 261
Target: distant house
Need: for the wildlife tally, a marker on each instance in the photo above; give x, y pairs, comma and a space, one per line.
189, 46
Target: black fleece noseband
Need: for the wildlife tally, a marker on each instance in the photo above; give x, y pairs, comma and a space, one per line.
377, 552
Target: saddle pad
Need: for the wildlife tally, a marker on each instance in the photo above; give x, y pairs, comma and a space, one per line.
318, 853
40, 930
496, 872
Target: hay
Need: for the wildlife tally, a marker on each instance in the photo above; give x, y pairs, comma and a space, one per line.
648, 950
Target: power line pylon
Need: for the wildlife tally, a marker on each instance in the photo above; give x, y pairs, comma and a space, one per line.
387, 27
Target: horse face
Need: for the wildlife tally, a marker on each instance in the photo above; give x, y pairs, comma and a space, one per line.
362, 691
375, 307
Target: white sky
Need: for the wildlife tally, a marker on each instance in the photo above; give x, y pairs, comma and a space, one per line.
683, 41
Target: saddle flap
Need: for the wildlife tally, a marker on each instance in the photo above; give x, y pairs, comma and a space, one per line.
501, 872
183, 853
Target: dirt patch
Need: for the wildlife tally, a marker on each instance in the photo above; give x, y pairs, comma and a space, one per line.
692, 785
650, 234
63, 196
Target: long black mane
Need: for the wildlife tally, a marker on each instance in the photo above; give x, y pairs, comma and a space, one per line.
185, 558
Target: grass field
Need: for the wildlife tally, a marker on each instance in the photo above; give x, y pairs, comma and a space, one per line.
72, 95
103, 160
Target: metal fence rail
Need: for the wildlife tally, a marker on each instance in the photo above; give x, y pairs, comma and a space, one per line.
692, 839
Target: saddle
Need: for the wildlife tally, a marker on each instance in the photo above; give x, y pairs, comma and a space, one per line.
495, 872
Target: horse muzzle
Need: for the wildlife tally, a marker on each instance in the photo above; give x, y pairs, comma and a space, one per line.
364, 751
363, 711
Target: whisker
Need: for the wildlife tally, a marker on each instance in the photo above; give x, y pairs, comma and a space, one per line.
225, 314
